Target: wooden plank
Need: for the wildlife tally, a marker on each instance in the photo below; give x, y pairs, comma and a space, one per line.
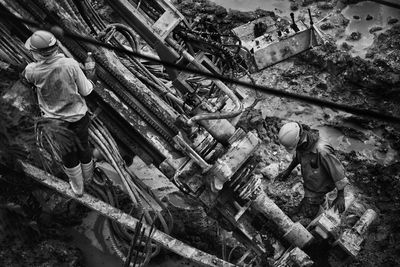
117, 215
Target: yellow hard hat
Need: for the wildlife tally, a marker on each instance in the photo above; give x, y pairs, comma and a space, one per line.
289, 135
40, 40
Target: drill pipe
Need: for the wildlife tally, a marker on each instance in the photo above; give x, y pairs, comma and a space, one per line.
295, 233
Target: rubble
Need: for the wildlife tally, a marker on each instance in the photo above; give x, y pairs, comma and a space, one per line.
346, 46
270, 171
392, 20
294, 6
375, 29
354, 36
326, 26
325, 5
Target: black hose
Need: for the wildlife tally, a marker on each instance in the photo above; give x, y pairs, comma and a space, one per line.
117, 232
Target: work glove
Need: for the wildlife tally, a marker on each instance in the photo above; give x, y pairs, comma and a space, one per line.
283, 176
339, 203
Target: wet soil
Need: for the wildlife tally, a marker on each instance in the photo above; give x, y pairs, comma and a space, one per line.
368, 148
362, 73
34, 223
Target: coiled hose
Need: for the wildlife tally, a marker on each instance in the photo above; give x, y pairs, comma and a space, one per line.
119, 236
103, 189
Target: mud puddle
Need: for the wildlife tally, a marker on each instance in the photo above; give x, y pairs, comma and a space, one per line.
281, 7
370, 148
344, 136
363, 17
90, 237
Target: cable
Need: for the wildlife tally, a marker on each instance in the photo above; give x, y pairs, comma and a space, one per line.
57, 31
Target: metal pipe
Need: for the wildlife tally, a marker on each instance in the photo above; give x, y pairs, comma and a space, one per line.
219, 84
217, 115
295, 233
365, 221
115, 214
192, 153
132, 193
121, 27
159, 86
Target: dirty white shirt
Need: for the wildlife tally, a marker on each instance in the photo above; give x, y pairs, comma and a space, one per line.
61, 85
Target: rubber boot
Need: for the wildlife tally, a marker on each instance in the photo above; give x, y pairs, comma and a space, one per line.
87, 171
75, 179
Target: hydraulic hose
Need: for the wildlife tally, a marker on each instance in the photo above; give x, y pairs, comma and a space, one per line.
217, 115
93, 134
127, 32
108, 146
115, 229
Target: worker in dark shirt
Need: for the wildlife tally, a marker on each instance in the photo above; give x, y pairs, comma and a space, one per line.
321, 170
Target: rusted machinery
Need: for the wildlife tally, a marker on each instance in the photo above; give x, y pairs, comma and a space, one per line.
183, 124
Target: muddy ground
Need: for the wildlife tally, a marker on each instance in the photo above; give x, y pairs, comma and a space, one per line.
368, 148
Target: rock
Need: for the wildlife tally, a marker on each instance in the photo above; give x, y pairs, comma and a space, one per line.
345, 21
297, 188
271, 171
375, 29
307, 2
55, 253
262, 165
275, 147
325, 5
354, 36
266, 139
392, 20
220, 12
52, 202
326, 26
369, 17
259, 175
356, 17
322, 85
346, 46
381, 234
294, 6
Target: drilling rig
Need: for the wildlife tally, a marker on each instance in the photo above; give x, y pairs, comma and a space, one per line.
183, 124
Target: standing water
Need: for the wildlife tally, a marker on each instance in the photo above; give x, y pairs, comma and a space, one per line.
278, 6
363, 17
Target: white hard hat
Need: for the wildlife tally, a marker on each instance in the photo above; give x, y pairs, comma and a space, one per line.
289, 136
40, 40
